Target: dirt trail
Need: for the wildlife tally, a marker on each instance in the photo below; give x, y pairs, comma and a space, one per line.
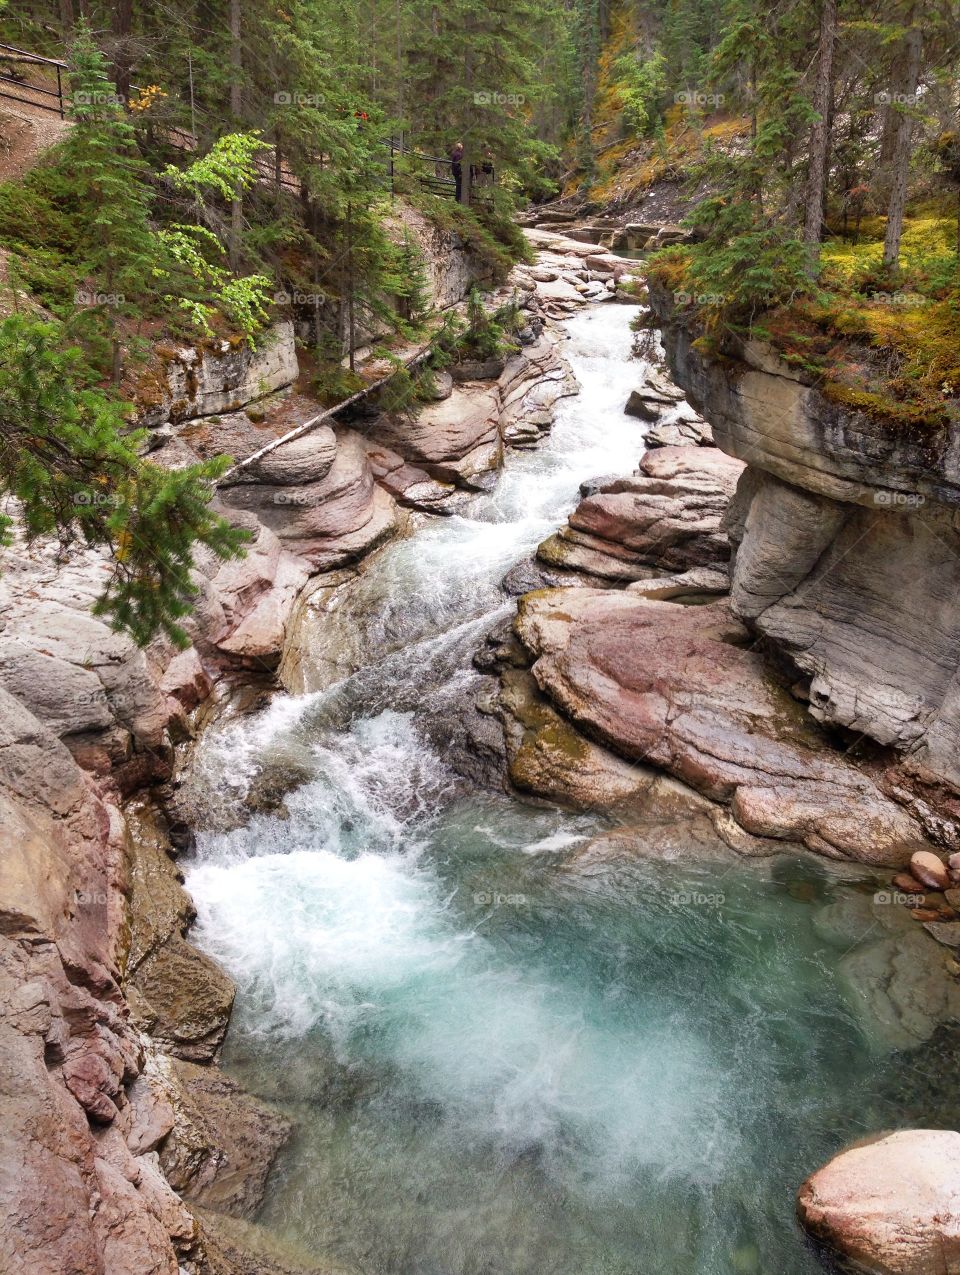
26, 131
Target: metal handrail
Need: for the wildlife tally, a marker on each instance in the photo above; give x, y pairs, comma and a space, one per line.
10, 53
24, 56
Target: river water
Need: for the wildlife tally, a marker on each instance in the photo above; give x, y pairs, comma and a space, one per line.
504, 1056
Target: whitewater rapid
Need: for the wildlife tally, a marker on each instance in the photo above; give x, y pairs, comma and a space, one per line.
501, 1063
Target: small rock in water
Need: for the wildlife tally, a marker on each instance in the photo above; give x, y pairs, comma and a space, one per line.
945, 932
954, 862
910, 885
929, 869
925, 914
638, 406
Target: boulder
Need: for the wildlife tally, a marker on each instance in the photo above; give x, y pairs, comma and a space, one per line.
684, 430
929, 869
668, 516
890, 1204
638, 406
223, 1142
678, 687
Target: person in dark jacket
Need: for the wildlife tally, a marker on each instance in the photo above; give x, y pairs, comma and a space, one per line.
456, 167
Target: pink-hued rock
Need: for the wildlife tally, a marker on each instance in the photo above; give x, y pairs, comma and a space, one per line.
929, 869
455, 440
679, 687
667, 516
891, 1205
73, 1196
329, 522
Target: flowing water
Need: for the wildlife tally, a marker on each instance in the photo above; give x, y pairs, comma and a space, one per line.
504, 1055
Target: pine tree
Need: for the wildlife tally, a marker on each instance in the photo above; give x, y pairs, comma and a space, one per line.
68, 458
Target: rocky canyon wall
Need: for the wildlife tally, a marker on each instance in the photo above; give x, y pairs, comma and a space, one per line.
125, 1150
846, 533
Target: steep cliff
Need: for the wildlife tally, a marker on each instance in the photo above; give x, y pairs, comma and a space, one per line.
847, 544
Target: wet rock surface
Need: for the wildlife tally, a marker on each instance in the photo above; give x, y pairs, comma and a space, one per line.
891, 1204
679, 687
668, 516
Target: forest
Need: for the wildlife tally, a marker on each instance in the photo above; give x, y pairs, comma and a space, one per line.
227, 156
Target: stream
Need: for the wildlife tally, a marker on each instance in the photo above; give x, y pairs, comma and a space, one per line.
504, 1056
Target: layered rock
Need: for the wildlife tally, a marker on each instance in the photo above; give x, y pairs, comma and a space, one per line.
680, 687
458, 441
891, 1204
848, 553
667, 516
327, 508
568, 273
76, 1194
217, 376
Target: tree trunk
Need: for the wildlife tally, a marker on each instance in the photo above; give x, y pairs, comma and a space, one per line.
900, 164
468, 154
121, 25
820, 132
236, 104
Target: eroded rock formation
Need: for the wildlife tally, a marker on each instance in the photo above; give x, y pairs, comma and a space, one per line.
847, 553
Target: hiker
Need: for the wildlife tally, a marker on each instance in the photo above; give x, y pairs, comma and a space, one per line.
456, 167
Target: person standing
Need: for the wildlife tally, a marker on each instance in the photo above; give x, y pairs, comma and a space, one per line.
456, 167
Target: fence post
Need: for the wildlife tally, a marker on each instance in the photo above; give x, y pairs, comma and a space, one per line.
60, 94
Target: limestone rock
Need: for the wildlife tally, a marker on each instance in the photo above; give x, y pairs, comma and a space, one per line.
686, 429
929, 869
224, 1141
849, 557
547, 756
454, 441
328, 522
673, 686
669, 516
891, 1204
220, 376
638, 406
